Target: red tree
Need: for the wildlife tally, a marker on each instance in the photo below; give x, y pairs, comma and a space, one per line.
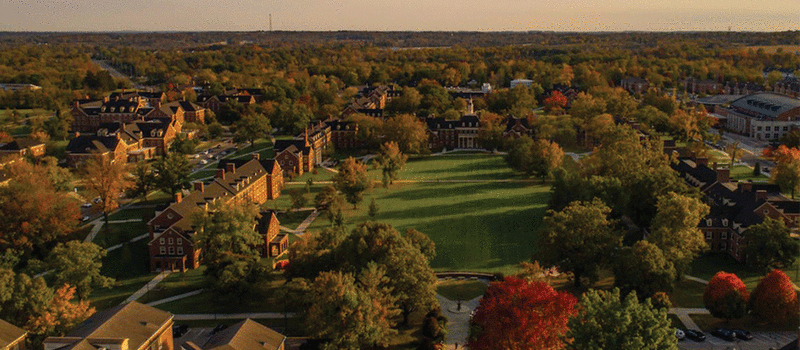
774, 298
556, 102
726, 296
517, 314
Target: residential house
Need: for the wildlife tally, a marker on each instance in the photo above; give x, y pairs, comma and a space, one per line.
517, 127
131, 326
275, 241
635, 85
127, 107
173, 244
153, 133
734, 206
242, 96
705, 86
788, 86
245, 335
742, 88
23, 147
371, 100
295, 156
193, 113
11, 337
343, 134
116, 146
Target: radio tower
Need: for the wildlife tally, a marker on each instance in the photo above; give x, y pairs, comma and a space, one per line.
270, 22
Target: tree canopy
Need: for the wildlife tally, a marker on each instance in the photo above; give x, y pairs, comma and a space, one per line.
352, 180
726, 296
770, 245
774, 299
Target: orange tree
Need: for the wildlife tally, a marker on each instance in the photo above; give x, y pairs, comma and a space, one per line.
726, 296
518, 314
774, 299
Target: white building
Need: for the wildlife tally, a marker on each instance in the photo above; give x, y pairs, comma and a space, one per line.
526, 82
763, 116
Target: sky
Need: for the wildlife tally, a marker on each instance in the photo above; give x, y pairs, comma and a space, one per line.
396, 15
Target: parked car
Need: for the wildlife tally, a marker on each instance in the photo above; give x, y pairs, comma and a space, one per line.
695, 335
742, 334
724, 333
96, 200
86, 205
85, 218
680, 334
179, 330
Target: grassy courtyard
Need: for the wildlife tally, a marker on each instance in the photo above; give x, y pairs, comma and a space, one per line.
477, 226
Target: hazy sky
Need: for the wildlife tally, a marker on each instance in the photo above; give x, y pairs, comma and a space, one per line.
417, 15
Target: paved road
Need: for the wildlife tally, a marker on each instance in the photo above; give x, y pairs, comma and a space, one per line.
761, 341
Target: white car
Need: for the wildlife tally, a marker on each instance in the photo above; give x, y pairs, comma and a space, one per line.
85, 218
86, 205
680, 334
204, 162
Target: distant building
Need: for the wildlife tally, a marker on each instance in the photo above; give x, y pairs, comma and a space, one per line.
762, 116
127, 326
23, 147
526, 82
245, 335
706, 86
788, 86
635, 85
453, 134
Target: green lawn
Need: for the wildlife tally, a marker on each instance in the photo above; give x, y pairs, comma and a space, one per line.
708, 265
453, 167
114, 234
202, 174
745, 173
262, 297
104, 298
687, 294
176, 283
461, 290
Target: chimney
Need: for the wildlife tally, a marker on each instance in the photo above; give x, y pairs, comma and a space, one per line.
701, 161
230, 167
746, 186
256, 156
761, 194
723, 175
77, 133
306, 137
199, 186
221, 174
178, 197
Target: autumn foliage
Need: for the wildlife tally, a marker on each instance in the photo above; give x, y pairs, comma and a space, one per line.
517, 314
61, 314
782, 154
726, 296
774, 299
556, 102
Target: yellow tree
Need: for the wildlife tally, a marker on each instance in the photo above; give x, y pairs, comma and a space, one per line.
106, 179
391, 161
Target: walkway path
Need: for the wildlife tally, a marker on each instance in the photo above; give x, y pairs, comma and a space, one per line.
683, 315
457, 320
255, 315
147, 287
173, 298
695, 279
137, 238
301, 229
98, 224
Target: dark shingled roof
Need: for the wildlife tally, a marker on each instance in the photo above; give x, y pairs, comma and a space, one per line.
91, 143
20, 144
281, 145
245, 335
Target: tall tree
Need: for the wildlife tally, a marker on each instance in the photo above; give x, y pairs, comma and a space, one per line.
607, 321
143, 180
643, 268
172, 173
410, 277
578, 239
534, 157
787, 173
106, 179
770, 245
774, 299
422, 242
674, 229
490, 134
33, 212
410, 134
352, 180
517, 314
229, 246
726, 296
252, 127
61, 314
391, 161
183, 144
78, 264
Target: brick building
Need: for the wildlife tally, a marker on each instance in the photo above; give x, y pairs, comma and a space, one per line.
23, 147
172, 243
762, 116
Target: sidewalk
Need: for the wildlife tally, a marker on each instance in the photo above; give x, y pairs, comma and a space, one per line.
177, 297
147, 287
256, 315
683, 315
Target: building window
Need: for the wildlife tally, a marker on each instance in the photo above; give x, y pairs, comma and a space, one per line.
170, 240
180, 241
708, 236
709, 222
180, 250
161, 241
766, 128
758, 128
162, 250
724, 222
724, 235
785, 128
723, 246
171, 250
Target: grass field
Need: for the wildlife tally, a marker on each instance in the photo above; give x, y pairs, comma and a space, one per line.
461, 290
708, 265
484, 226
262, 297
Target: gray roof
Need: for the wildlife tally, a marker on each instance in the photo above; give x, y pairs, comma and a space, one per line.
766, 104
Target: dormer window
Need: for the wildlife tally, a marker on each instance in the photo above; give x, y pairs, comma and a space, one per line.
708, 222
724, 222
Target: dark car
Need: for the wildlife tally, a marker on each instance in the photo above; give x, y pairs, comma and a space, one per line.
695, 335
724, 333
742, 334
179, 329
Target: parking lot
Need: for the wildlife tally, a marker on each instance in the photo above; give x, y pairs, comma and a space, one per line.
761, 341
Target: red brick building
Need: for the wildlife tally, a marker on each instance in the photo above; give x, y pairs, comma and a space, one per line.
23, 147
172, 243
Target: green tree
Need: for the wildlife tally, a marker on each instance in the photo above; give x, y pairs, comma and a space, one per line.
674, 229
410, 134
143, 180
607, 321
352, 180
770, 245
172, 173
579, 239
78, 264
298, 198
534, 158
252, 127
422, 242
490, 134
726, 296
230, 247
787, 175
391, 161
643, 268
183, 144
373, 209
107, 180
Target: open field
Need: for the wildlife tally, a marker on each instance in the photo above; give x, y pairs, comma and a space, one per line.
708, 265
